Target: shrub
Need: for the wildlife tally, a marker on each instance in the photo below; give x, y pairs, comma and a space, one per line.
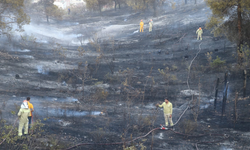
188, 126
217, 62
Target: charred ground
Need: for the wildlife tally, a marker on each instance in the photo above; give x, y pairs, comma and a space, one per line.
127, 73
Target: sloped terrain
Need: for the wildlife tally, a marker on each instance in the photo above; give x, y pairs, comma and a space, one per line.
131, 72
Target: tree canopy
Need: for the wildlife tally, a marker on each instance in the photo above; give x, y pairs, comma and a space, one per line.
96, 4
231, 18
12, 16
49, 9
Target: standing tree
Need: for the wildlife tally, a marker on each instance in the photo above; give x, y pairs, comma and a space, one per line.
231, 18
96, 4
137, 4
145, 4
49, 9
119, 2
12, 13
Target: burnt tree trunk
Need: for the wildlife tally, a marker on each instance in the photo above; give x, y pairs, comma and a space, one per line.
224, 95
240, 40
100, 8
115, 5
235, 107
216, 93
82, 98
245, 83
154, 6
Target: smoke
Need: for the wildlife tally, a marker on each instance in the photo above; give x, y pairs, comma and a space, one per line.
50, 33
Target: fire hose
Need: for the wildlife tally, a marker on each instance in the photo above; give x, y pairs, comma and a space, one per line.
159, 128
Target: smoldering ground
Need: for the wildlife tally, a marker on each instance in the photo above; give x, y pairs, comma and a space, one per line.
123, 79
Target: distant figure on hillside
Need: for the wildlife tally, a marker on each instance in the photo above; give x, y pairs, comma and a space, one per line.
23, 118
199, 33
69, 11
150, 25
141, 26
167, 109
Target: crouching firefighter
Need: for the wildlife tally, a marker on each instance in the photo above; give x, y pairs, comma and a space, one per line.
167, 109
23, 118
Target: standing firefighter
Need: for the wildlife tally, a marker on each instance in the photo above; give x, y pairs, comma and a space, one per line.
31, 108
167, 109
141, 26
199, 33
150, 25
23, 118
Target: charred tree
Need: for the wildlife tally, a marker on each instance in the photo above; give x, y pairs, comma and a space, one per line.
224, 95
216, 93
235, 107
240, 40
245, 83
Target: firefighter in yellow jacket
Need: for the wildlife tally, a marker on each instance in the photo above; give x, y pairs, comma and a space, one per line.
23, 118
141, 26
167, 109
199, 33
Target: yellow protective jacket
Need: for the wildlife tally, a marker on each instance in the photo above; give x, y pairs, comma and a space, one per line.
150, 24
141, 24
23, 114
199, 31
167, 108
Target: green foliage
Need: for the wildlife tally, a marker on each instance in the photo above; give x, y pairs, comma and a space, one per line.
174, 68
101, 94
245, 55
137, 4
13, 141
98, 83
228, 19
141, 147
60, 50
209, 57
12, 13
96, 4
49, 9
130, 148
145, 4
188, 126
112, 78
128, 73
165, 73
217, 62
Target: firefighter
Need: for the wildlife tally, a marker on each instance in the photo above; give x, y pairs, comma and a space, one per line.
199, 34
141, 26
23, 118
31, 108
150, 25
167, 109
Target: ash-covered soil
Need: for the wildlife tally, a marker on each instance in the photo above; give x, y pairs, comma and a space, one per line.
122, 80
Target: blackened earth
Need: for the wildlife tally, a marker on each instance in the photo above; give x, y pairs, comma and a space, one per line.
126, 64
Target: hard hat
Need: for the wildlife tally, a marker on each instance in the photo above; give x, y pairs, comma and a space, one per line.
200, 28
141, 20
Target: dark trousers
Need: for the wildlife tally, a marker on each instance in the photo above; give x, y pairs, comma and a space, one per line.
29, 121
